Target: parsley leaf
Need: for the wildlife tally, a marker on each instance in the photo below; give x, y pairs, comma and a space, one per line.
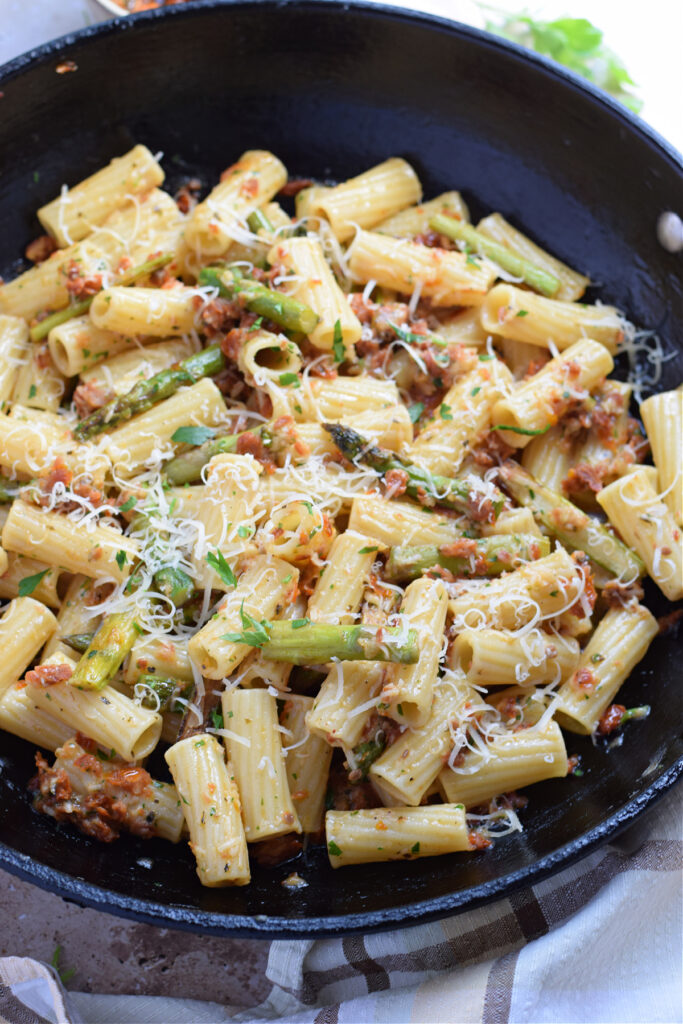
334, 849
217, 562
192, 435
253, 633
256, 324
366, 551
522, 312
338, 343
289, 378
575, 43
29, 583
415, 411
121, 558
445, 411
415, 848
128, 505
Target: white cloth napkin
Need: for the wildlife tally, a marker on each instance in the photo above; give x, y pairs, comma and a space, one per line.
599, 943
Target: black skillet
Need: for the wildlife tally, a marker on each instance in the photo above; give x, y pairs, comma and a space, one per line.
333, 89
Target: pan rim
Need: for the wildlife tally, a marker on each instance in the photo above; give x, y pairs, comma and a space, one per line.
406, 915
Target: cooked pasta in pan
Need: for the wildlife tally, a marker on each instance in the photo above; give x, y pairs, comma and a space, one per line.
322, 517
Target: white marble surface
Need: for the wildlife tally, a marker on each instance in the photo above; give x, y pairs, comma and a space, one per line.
648, 38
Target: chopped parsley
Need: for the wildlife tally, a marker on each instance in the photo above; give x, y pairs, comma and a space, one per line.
244, 531
128, 505
523, 430
217, 719
338, 344
218, 563
253, 633
29, 583
334, 849
367, 551
289, 378
415, 848
192, 435
445, 411
415, 411
121, 559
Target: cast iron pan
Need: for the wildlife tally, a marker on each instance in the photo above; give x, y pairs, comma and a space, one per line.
332, 90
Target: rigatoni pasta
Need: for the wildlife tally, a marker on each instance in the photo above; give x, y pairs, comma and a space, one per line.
306, 496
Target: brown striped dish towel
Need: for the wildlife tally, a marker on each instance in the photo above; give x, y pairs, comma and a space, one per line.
599, 943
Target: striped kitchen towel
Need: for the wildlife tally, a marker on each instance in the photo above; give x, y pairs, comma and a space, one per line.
599, 943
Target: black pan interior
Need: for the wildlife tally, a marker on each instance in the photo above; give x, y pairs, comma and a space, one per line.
333, 90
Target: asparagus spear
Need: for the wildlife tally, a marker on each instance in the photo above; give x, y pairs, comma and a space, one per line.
570, 525
266, 302
302, 642
543, 282
147, 393
163, 692
42, 329
425, 487
106, 651
78, 641
257, 221
187, 468
175, 584
490, 556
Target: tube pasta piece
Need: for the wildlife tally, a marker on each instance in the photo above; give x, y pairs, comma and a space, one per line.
324, 400
119, 373
108, 717
43, 287
77, 344
536, 320
131, 445
31, 440
462, 419
266, 356
463, 328
72, 215
396, 522
367, 199
226, 514
313, 284
307, 761
156, 312
620, 641
403, 773
415, 219
548, 460
635, 509
538, 403
511, 762
19, 568
663, 418
14, 350
20, 716
339, 589
546, 587
59, 541
395, 833
24, 627
254, 746
263, 592
207, 784
343, 704
443, 276
38, 383
492, 657
298, 532
513, 520
409, 689
158, 657
220, 220
572, 284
